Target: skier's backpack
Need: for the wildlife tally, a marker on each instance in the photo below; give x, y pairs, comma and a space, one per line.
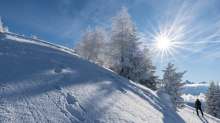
198, 104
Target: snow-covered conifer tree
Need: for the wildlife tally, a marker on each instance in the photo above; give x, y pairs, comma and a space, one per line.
147, 70
216, 100
209, 97
81, 46
1, 25
6, 29
123, 40
66, 45
100, 39
92, 45
212, 106
172, 85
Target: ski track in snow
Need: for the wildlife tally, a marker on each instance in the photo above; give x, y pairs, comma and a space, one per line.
44, 82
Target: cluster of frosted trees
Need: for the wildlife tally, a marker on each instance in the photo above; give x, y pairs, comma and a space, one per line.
212, 103
5, 29
119, 50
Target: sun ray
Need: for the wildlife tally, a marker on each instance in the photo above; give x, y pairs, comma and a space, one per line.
185, 48
174, 57
167, 55
162, 58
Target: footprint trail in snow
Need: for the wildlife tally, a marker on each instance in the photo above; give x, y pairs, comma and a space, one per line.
74, 108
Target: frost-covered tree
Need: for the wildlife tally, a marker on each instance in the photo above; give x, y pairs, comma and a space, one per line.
6, 29
92, 45
172, 85
100, 39
216, 100
34, 37
212, 104
123, 41
82, 47
209, 98
1, 25
147, 70
66, 45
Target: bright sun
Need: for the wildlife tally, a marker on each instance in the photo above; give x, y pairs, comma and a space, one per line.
163, 43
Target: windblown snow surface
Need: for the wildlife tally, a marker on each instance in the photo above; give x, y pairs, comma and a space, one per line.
44, 82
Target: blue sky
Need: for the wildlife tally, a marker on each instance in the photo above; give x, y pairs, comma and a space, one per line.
194, 27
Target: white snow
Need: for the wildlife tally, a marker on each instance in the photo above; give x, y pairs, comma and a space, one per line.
43, 82
165, 97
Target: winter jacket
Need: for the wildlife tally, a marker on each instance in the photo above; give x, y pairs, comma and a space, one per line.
196, 103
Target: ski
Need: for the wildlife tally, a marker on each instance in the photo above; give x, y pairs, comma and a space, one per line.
198, 115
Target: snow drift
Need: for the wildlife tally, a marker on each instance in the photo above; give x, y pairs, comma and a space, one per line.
44, 82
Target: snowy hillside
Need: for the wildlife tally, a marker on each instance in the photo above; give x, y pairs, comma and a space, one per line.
43, 82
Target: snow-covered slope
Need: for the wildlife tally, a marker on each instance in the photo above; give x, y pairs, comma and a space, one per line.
43, 82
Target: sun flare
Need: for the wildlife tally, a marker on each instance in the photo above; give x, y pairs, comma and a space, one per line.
163, 43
